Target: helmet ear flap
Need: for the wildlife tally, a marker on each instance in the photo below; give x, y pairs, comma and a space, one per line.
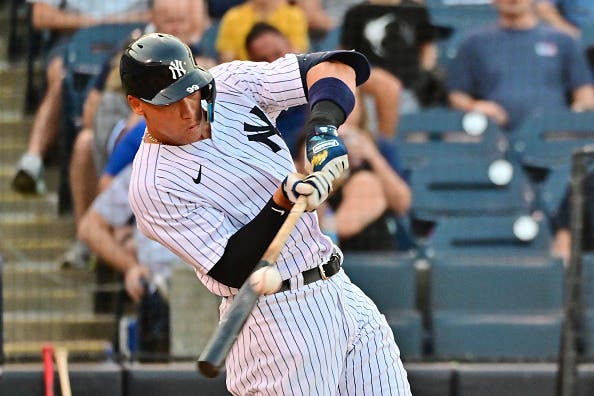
208, 94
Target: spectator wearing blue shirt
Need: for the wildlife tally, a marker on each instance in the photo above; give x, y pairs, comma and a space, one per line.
519, 67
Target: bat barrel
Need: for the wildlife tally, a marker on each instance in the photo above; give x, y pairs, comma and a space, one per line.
214, 354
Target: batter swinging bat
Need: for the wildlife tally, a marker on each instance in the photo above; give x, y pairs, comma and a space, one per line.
214, 354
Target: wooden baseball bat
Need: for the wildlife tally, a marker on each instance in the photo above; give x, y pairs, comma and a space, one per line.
62, 363
47, 353
214, 354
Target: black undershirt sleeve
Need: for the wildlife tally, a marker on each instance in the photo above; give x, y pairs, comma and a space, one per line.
246, 247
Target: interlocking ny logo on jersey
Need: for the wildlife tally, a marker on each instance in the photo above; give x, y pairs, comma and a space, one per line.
264, 131
177, 69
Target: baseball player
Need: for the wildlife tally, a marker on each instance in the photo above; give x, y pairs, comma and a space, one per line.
213, 180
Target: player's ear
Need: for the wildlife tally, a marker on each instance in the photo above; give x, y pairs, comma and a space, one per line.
135, 105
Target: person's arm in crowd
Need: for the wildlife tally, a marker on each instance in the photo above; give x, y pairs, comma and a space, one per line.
98, 235
462, 101
363, 202
317, 18
46, 16
385, 90
362, 149
549, 13
583, 98
562, 244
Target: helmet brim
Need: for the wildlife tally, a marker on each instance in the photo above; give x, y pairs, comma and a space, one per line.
191, 82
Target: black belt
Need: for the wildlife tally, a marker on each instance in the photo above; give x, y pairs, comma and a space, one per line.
315, 274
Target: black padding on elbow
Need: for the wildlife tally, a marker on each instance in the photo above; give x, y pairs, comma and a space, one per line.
246, 247
354, 59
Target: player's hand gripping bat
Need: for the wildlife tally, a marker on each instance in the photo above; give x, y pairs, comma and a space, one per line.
214, 354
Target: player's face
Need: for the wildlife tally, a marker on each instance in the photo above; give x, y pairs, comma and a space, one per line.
179, 123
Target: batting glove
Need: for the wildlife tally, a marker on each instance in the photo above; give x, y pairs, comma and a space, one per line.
315, 187
326, 151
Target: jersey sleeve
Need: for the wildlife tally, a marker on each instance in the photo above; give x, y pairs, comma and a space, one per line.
274, 86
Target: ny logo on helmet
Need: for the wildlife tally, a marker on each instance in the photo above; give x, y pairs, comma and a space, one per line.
177, 69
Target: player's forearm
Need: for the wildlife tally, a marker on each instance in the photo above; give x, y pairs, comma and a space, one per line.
45, 16
96, 233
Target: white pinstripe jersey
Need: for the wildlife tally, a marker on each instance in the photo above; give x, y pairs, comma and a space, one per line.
240, 167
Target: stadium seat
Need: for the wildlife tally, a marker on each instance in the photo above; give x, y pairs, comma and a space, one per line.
550, 192
461, 15
496, 307
518, 234
548, 140
389, 279
84, 56
466, 188
438, 136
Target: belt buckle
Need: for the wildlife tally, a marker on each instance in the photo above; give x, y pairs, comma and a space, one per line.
322, 272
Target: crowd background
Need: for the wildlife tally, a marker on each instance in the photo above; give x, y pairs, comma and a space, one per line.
455, 217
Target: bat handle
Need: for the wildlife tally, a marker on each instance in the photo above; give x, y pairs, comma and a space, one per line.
47, 353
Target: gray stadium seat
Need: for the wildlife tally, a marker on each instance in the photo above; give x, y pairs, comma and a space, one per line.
548, 140
496, 307
488, 235
437, 136
464, 188
389, 279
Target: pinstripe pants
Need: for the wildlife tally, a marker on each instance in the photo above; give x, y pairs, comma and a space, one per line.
325, 338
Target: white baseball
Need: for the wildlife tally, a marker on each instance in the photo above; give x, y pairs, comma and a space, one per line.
266, 280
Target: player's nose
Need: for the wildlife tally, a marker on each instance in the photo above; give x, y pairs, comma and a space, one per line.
188, 107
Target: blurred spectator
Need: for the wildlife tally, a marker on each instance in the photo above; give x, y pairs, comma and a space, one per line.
397, 36
237, 22
519, 67
368, 202
324, 19
145, 269
561, 222
107, 114
62, 18
569, 16
218, 8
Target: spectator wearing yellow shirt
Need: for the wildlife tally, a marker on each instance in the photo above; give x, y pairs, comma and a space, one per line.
237, 22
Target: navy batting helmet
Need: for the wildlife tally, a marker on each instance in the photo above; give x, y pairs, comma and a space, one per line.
159, 69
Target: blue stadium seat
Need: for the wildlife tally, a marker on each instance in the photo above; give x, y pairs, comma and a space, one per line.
550, 192
389, 279
548, 140
437, 136
495, 235
467, 188
463, 17
496, 307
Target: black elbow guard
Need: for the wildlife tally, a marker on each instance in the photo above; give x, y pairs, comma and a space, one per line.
354, 59
246, 247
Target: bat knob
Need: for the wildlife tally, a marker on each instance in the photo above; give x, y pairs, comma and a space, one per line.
208, 369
